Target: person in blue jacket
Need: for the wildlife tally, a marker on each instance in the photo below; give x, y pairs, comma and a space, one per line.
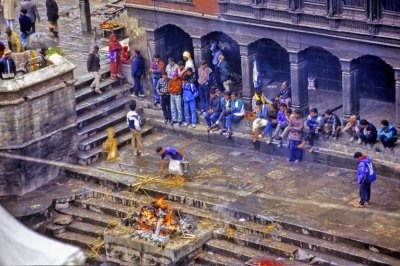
387, 134
365, 177
190, 93
137, 71
236, 113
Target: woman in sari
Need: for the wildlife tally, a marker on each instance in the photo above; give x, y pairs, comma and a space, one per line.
115, 49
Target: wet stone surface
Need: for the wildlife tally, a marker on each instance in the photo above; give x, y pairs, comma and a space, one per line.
307, 194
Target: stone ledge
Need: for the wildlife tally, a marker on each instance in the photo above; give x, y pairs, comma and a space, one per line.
58, 67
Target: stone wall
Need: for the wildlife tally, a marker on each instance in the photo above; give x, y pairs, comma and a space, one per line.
37, 119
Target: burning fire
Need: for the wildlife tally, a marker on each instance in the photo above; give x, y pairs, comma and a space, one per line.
158, 222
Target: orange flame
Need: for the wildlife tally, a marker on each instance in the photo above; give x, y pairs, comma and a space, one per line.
160, 203
169, 218
148, 214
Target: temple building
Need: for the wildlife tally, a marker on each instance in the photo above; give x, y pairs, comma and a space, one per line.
351, 47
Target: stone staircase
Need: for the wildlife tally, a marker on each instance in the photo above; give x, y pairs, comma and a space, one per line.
97, 112
234, 241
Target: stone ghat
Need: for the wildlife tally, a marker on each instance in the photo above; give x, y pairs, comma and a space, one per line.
124, 250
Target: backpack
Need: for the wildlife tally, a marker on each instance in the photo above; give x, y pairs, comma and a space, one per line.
132, 120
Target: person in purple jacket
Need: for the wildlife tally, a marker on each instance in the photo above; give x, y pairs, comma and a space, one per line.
295, 127
365, 177
173, 152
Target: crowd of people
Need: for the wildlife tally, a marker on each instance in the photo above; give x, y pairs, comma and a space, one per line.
205, 92
28, 17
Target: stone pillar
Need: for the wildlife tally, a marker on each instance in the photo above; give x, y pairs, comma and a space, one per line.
247, 60
333, 7
160, 49
199, 52
350, 92
151, 44
397, 79
84, 8
299, 82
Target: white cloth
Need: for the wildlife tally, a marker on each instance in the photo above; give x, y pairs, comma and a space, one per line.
175, 167
22, 246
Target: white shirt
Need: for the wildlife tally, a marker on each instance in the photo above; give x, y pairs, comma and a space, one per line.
133, 116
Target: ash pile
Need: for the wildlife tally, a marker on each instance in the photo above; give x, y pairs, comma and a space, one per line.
157, 223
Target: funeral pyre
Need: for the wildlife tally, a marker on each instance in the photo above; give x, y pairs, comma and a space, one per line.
157, 223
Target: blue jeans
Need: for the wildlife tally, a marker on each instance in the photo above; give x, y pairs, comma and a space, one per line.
365, 192
166, 106
190, 106
10, 23
268, 129
310, 137
23, 37
204, 93
232, 118
157, 98
211, 118
387, 142
366, 138
138, 89
176, 108
294, 151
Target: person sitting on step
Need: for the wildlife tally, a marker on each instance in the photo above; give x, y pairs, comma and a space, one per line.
352, 128
331, 125
214, 109
367, 134
313, 121
261, 120
272, 122
387, 134
236, 113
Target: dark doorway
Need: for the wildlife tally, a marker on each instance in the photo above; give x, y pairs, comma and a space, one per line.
324, 68
230, 49
375, 79
175, 42
272, 60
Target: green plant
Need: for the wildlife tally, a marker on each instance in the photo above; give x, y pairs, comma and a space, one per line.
56, 50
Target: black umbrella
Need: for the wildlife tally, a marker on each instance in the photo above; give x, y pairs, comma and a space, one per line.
40, 40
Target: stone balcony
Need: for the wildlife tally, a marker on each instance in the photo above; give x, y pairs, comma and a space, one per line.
351, 23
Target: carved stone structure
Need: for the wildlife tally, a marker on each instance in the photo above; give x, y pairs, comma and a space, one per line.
349, 35
37, 119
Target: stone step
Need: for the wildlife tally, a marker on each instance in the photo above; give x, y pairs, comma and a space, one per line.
79, 240
98, 138
90, 156
279, 248
54, 229
210, 258
242, 253
99, 99
103, 206
102, 123
87, 92
87, 216
86, 229
279, 241
102, 111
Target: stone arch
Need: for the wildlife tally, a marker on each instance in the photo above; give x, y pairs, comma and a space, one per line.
272, 59
324, 67
375, 78
172, 41
229, 47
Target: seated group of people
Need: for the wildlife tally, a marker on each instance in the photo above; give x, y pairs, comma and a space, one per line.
275, 118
